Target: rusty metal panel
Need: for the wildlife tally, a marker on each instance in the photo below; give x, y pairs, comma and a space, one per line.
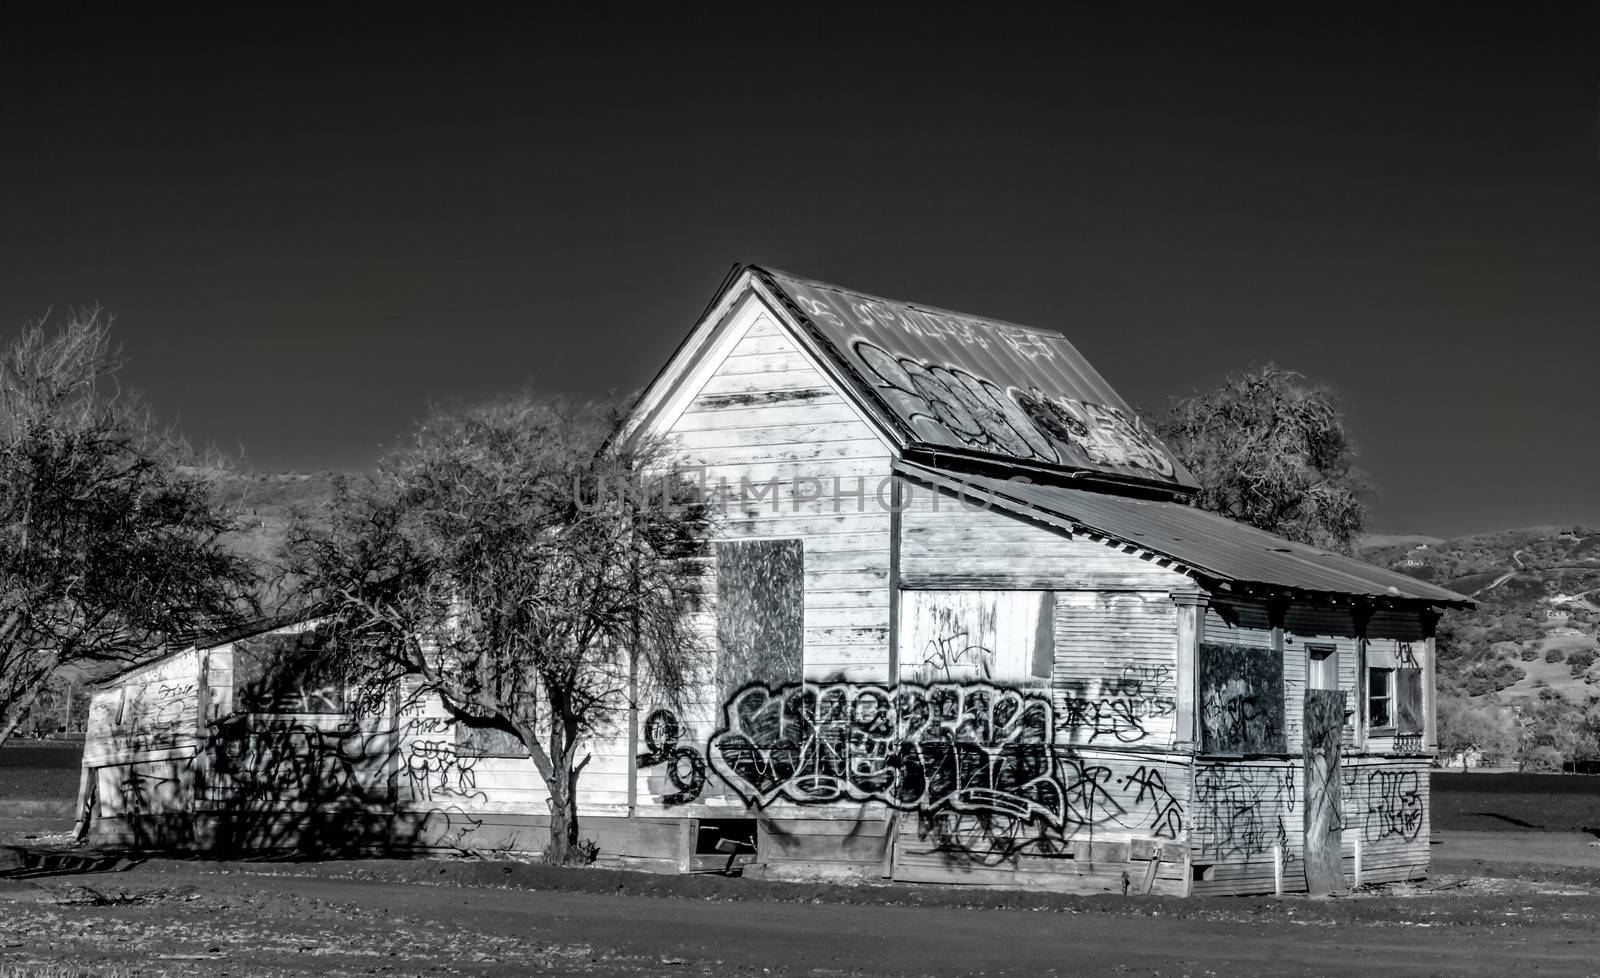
1211, 545
962, 382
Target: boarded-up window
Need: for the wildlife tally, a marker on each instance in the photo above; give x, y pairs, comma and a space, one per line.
285, 673
761, 596
487, 742
1241, 699
961, 636
1408, 701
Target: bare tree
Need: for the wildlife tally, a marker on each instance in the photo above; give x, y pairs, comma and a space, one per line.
516, 563
109, 544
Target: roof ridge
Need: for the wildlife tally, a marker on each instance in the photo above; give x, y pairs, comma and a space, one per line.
977, 318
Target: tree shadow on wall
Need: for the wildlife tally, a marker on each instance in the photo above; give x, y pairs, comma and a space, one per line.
297, 786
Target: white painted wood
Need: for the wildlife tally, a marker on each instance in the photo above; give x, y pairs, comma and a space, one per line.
971, 635
945, 544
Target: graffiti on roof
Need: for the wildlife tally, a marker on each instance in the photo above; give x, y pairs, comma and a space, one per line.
956, 381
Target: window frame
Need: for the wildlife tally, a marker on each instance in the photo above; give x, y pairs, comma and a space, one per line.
1322, 652
1387, 698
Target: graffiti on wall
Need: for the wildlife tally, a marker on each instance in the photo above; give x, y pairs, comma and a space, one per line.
1242, 811
976, 763
156, 716
1120, 709
956, 636
974, 747
947, 658
1394, 806
257, 760
438, 769
1166, 819
992, 837
682, 767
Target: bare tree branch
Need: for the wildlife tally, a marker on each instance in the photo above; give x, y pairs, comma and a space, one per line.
504, 558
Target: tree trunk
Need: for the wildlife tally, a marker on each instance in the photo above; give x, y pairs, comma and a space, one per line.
563, 786
18, 707
561, 826
572, 810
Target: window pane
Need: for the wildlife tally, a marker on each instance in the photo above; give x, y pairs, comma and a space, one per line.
1379, 712
1322, 667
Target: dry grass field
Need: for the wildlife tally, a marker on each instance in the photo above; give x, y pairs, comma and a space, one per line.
39, 772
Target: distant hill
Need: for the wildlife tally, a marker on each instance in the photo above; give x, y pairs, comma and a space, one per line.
1373, 541
1538, 594
265, 502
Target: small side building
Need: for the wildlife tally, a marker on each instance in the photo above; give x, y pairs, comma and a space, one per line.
969, 628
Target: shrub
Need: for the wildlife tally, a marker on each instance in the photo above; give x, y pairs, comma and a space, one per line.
1541, 760
1492, 677
1528, 655
582, 853
1578, 660
1554, 655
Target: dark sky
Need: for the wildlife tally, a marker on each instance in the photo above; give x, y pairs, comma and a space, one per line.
311, 226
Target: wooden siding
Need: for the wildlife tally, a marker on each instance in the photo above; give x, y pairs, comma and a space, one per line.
1115, 677
788, 459
945, 544
1004, 636
153, 714
1123, 825
1248, 815
1334, 627
1387, 808
1245, 816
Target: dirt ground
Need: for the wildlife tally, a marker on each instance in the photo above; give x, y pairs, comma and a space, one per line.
1515, 802
1521, 901
394, 917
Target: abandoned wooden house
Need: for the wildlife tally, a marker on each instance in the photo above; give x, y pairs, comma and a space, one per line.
968, 629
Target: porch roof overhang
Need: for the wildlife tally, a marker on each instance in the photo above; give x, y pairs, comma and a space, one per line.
1219, 552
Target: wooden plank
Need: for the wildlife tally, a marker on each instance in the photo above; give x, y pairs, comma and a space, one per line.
761, 363
866, 849
952, 546
792, 378
822, 410
759, 341
688, 830
795, 432
726, 459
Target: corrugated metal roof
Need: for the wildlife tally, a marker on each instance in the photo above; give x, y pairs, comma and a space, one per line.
1211, 545
983, 386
